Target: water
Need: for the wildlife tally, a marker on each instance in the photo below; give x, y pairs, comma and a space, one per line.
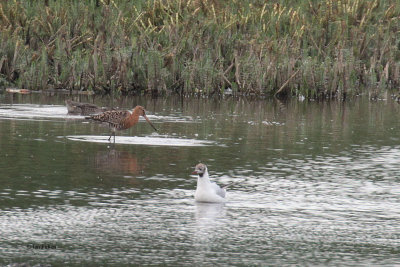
319, 184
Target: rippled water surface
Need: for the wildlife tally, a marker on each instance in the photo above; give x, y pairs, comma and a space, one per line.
318, 184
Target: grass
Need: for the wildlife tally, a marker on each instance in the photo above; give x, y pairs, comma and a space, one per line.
318, 49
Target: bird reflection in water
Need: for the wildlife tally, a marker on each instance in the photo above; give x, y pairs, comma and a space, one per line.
209, 212
210, 220
118, 162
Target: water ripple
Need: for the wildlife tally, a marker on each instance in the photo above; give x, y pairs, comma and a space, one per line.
147, 140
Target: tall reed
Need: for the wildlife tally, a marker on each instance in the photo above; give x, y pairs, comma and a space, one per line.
319, 49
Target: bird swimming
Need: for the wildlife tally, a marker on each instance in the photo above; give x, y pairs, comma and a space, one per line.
206, 190
84, 109
119, 120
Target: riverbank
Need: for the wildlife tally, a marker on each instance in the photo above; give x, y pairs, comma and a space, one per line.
317, 49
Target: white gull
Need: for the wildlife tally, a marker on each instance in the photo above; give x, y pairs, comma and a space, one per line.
206, 190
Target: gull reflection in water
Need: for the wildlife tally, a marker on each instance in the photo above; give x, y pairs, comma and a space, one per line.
209, 212
210, 223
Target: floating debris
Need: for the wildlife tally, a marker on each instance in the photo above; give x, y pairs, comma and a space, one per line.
18, 91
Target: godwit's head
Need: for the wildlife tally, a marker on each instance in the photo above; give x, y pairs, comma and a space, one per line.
200, 169
142, 112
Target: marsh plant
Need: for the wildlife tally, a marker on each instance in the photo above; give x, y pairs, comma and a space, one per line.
317, 49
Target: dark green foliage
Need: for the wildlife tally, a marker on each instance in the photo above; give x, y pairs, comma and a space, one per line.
313, 48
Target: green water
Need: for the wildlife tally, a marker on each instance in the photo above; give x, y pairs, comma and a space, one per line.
318, 184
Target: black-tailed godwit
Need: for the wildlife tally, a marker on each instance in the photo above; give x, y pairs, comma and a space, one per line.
119, 120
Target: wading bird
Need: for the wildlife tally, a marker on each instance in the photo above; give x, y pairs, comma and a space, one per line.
119, 120
206, 190
83, 108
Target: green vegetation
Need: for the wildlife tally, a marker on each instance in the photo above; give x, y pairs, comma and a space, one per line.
319, 49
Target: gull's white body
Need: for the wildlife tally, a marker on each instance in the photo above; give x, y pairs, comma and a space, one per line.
206, 190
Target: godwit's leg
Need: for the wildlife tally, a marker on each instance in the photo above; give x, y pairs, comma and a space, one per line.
109, 139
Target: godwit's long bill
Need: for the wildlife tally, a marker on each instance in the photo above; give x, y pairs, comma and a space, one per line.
206, 190
119, 120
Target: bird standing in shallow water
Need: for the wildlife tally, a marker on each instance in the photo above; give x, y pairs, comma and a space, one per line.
121, 119
206, 190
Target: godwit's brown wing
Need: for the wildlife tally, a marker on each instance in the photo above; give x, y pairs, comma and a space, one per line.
114, 118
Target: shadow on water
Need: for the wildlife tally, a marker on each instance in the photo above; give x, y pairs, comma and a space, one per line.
318, 184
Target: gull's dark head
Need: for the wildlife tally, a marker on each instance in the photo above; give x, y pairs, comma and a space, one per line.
200, 169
